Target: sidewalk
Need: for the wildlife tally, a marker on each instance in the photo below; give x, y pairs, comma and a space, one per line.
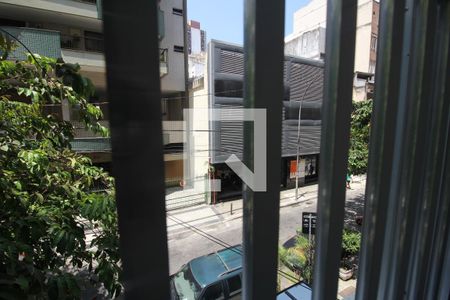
181, 220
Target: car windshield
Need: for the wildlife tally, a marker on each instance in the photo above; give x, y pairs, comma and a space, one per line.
186, 287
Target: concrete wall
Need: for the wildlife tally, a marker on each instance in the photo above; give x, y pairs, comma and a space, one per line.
174, 81
309, 44
313, 16
198, 146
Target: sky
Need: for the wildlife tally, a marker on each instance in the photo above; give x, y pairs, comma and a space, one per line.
223, 19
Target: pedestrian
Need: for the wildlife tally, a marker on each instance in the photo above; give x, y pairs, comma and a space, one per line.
349, 178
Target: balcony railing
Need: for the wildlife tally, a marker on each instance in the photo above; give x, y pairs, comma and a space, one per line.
83, 43
40, 41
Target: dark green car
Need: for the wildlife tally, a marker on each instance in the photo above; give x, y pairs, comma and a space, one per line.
213, 276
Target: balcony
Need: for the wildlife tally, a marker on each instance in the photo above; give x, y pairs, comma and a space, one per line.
83, 9
84, 50
163, 62
43, 42
172, 132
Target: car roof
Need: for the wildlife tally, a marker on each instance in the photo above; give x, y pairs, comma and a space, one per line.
209, 268
298, 291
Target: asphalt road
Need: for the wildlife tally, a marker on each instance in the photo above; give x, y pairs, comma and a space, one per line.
214, 237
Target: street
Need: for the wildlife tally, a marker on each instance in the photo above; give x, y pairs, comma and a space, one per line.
198, 240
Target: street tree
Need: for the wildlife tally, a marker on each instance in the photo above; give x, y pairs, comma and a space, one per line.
47, 201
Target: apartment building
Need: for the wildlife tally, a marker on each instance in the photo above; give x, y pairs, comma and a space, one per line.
212, 142
308, 40
72, 30
197, 49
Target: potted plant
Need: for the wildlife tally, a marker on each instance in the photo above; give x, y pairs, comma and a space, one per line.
351, 241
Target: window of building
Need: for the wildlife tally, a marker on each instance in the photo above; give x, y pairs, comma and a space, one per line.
93, 41
373, 42
179, 49
177, 11
229, 88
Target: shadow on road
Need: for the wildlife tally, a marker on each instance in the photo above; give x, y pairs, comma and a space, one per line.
354, 210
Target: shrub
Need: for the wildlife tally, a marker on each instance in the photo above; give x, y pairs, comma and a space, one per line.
359, 133
351, 241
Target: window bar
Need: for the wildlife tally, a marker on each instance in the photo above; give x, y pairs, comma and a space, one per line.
438, 283
381, 146
263, 88
432, 200
136, 133
337, 105
409, 198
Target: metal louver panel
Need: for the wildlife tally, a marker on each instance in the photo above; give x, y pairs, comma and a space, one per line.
309, 138
231, 62
229, 135
300, 78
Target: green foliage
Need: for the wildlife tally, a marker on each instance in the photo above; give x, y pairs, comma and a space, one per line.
6, 46
351, 241
297, 258
46, 199
359, 137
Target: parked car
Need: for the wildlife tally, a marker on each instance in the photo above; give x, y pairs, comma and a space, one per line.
213, 276
218, 276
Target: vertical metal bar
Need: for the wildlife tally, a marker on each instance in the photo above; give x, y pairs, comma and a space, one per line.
439, 266
131, 44
410, 172
381, 145
443, 291
339, 62
436, 142
263, 88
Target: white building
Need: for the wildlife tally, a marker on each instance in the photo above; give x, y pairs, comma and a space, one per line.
197, 49
196, 38
309, 44
308, 38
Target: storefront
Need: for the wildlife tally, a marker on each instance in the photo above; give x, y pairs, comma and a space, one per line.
308, 170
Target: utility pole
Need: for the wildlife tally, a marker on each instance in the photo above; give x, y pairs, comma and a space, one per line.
298, 134
297, 170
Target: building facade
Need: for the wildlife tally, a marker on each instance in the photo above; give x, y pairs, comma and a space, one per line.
197, 49
72, 30
308, 39
196, 38
213, 142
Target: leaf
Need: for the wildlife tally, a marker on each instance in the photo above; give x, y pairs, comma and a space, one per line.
39, 197
22, 282
18, 185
